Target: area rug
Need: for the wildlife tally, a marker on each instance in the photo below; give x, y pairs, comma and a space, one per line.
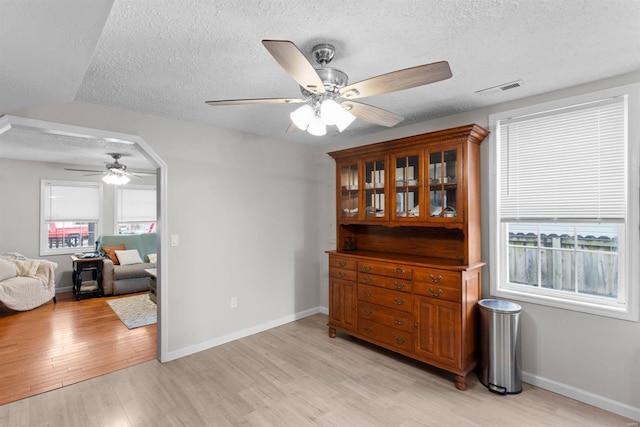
135, 311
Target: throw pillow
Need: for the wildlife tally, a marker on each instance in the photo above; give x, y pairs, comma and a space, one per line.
129, 257
110, 251
7, 270
153, 258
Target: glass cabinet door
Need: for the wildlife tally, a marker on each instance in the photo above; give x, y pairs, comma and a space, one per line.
349, 190
407, 187
443, 184
374, 181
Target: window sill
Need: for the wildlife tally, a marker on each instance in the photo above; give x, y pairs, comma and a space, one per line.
622, 313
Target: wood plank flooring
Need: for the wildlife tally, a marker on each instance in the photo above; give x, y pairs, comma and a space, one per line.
294, 375
60, 344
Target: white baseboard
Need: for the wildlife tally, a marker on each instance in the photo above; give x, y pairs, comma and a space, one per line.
583, 396
65, 289
172, 355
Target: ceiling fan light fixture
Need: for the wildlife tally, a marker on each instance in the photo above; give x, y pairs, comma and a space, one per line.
317, 127
302, 116
330, 111
345, 118
116, 179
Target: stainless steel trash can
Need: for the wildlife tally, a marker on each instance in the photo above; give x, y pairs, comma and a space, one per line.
500, 370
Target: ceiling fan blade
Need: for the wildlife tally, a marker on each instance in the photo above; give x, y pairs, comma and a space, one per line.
83, 170
293, 128
372, 114
140, 174
256, 101
294, 62
398, 80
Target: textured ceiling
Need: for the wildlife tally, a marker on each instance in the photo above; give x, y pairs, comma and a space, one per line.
167, 57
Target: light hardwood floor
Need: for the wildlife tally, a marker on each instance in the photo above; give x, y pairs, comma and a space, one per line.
60, 344
294, 375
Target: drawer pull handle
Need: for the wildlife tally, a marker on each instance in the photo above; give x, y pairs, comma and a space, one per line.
399, 301
367, 279
399, 285
367, 329
399, 322
398, 339
366, 268
367, 311
341, 274
434, 279
434, 293
342, 263
399, 270
367, 294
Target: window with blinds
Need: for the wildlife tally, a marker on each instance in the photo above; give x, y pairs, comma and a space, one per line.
71, 213
561, 203
135, 209
565, 165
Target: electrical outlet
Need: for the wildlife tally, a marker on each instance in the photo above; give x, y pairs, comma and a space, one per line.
234, 302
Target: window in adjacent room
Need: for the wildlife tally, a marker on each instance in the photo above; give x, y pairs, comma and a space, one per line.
565, 205
71, 216
135, 209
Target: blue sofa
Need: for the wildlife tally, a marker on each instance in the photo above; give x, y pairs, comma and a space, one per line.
125, 279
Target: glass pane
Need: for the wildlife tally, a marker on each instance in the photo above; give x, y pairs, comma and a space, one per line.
349, 203
558, 236
408, 203
407, 171
523, 265
349, 177
71, 234
375, 203
523, 234
450, 202
435, 202
598, 237
374, 174
598, 273
435, 168
557, 270
450, 170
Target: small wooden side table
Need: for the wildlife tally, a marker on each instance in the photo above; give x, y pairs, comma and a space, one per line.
153, 284
89, 288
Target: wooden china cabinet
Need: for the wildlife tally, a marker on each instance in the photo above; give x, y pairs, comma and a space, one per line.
406, 274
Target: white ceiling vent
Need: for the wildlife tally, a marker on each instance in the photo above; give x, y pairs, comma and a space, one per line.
500, 88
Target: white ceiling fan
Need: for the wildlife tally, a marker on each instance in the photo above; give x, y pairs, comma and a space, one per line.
328, 98
116, 172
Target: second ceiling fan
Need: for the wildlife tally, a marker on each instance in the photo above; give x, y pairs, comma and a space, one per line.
328, 98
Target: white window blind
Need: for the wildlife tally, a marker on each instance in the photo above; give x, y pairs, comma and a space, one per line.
71, 202
565, 166
136, 204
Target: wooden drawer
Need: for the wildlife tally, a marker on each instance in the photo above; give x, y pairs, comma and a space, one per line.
340, 273
385, 316
385, 297
437, 277
385, 269
385, 334
393, 283
440, 292
340, 262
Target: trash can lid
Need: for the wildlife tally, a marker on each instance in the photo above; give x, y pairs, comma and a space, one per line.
500, 306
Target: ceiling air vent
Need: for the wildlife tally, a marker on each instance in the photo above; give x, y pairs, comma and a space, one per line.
500, 88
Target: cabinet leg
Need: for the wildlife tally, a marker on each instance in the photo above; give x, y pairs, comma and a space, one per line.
461, 382
332, 332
